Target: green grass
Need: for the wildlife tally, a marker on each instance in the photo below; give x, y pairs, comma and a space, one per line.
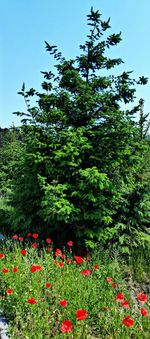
94, 293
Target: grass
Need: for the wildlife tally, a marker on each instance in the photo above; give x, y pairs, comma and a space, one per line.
42, 289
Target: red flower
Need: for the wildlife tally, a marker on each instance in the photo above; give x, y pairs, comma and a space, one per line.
142, 297
31, 301
79, 260
15, 269
120, 297
109, 279
70, 243
21, 238
96, 267
63, 303
68, 261
15, 237
58, 252
60, 264
66, 326
23, 252
35, 235
86, 272
9, 291
144, 312
105, 308
35, 268
5, 270
2, 255
114, 285
49, 249
127, 321
81, 314
48, 240
47, 285
29, 235
34, 245
125, 304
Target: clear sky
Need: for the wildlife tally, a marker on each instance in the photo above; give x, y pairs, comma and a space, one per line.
24, 25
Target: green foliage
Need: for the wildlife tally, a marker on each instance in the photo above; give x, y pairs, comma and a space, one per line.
84, 170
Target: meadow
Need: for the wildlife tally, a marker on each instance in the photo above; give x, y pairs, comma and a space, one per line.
48, 292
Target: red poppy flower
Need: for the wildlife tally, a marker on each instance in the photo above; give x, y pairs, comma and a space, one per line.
15, 269
23, 252
2, 255
60, 264
144, 312
105, 308
9, 291
58, 252
15, 237
63, 303
142, 297
34, 245
70, 243
79, 260
81, 314
127, 321
29, 235
49, 249
96, 267
125, 304
68, 261
109, 279
31, 301
5, 270
114, 285
21, 238
47, 285
63, 256
66, 326
35, 268
86, 272
120, 297
35, 235
48, 240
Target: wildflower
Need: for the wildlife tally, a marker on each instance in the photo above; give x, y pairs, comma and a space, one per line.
48, 240
70, 243
49, 249
142, 297
15, 269
58, 252
114, 285
2, 255
23, 252
120, 297
66, 326
127, 321
47, 285
79, 260
109, 279
31, 301
35, 235
29, 234
86, 272
9, 291
5, 270
144, 312
96, 267
15, 237
68, 261
60, 264
81, 314
21, 238
125, 304
63, 303
35, 268
34, 245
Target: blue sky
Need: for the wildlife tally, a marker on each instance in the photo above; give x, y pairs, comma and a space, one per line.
25, 24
